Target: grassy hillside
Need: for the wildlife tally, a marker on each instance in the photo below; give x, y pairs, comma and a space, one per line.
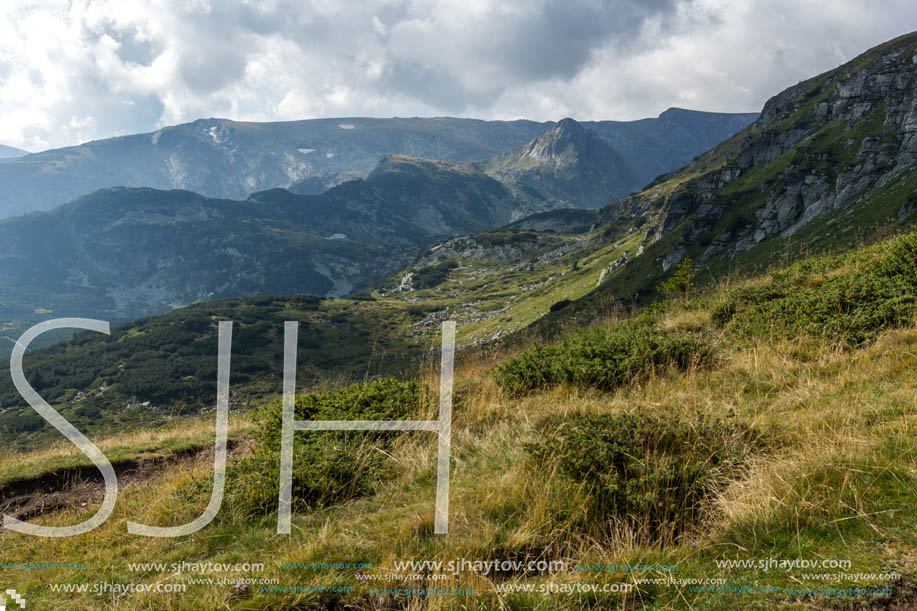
158, 369
761, 419
498, 283
161, 368
829, 164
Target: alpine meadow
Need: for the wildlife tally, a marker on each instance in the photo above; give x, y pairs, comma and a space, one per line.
683, 371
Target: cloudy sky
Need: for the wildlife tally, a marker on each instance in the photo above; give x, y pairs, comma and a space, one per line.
77, 70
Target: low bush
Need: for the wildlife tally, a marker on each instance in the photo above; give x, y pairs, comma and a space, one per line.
602, 358
650, 473
328, 467
559, 305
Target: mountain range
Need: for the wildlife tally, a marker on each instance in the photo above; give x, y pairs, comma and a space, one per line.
716, 367
231, 159
830, 163
132, 252
128, 252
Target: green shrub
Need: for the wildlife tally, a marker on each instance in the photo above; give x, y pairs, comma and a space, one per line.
723, 312
328, 467
432, 275
680, 283
559, 305
849, 300
651, 473
602, 358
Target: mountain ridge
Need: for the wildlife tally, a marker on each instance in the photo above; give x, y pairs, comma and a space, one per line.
831, 162
138, 251
229, 159
837, 131
10, 152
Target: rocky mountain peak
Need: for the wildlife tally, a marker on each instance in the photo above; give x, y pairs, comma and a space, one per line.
571, 129
568, 166
567, 141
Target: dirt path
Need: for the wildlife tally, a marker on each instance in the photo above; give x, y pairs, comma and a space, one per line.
81, 486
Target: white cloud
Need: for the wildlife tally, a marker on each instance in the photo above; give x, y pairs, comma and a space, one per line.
73, 70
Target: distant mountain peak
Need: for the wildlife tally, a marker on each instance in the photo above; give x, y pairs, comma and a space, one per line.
568, 166
568, 124
675, 111
231, 159
566, 143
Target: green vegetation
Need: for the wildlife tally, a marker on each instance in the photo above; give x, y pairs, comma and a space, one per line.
680, 283
328, 467
603, 358
162, 367
766, 413
622, 454
432, 275
501, 282
652, 473
850, 299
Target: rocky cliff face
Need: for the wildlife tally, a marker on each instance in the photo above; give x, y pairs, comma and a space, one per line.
816, 148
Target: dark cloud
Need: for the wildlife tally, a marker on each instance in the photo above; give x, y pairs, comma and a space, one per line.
135, 50
436, 86
558, 40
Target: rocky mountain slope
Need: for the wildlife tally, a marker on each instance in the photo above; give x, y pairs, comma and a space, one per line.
827, 160
231, 159
831, 163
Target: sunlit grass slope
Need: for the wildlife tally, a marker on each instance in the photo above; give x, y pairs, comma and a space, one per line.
770, 417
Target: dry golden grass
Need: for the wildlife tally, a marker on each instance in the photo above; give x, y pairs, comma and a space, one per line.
839, 423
